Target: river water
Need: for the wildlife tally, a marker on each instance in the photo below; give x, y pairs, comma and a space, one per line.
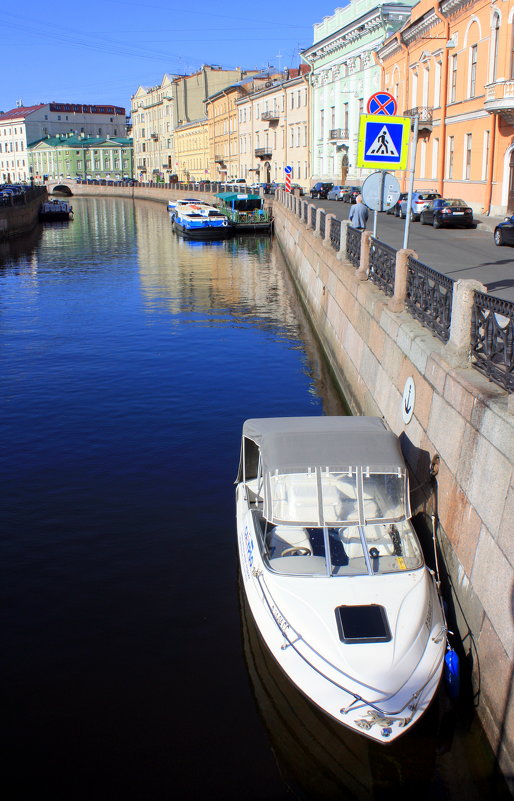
129, 359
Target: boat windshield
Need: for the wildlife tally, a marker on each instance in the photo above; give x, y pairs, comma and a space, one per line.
343, 551
328, 497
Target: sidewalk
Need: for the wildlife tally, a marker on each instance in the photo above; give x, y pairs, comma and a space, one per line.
486, 223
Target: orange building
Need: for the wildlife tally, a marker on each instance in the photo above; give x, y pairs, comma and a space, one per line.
452, 65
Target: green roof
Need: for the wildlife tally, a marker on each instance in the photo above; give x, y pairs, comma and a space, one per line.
230, 196
77, 141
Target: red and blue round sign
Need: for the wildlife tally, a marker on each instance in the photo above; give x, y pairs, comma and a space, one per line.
382, 103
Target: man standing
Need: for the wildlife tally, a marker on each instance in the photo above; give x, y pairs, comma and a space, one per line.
358, 214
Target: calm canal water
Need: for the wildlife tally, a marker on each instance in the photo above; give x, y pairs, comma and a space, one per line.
131, 669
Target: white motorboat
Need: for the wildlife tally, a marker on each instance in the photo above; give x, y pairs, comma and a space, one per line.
333, 571
197, 220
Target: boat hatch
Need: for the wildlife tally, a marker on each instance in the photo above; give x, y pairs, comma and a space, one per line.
359, 624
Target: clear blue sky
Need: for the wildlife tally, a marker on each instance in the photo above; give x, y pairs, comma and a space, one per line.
102, 50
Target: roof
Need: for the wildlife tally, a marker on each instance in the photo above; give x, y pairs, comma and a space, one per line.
77, 141
228, 197
21, 111
334, 442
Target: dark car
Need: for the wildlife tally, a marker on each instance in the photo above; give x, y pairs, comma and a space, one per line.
447, 211
321, 189
420, 200
350, 193
396, 208
504, 232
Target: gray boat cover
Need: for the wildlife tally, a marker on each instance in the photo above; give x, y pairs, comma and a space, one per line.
297, 443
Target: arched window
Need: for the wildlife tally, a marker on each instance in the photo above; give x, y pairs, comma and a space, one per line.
512, 52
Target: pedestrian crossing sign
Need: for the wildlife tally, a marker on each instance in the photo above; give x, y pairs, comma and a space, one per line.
383, 141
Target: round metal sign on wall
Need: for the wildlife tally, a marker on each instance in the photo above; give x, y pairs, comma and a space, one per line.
408, 400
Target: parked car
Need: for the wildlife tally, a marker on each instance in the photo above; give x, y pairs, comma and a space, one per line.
396, 208
321, 189
447, 211
504, 232
420, 200
337, 193
350, 193
298, 189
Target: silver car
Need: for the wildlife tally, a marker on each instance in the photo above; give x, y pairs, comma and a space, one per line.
336, 193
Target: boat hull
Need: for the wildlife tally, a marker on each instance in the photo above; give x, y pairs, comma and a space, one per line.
205, 232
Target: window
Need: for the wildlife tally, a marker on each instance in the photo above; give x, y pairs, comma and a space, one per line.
451, 145
453, 79
467, 166
495, 36
321, 123
473, 71
485, 156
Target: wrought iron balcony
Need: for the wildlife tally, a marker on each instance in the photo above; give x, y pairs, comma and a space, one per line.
263, 152
336, 134
270, 116
499, 99
219, 159
424, 115
154, 136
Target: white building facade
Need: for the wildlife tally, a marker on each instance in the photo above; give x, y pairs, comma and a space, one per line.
344, 75
23, 125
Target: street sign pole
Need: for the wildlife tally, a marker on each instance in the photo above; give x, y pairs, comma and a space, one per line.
414, 146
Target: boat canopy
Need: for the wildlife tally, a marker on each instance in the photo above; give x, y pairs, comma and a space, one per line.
240, 202
325, 470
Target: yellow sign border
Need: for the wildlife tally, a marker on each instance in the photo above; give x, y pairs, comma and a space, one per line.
401, 164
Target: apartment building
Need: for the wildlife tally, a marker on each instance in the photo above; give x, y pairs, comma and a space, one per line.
452, 66
344, 75
158, 110
24, 125
192, 151
273, 126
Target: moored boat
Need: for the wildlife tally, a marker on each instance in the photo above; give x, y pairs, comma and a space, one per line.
333, 571
55, 210
200, 221
246, 212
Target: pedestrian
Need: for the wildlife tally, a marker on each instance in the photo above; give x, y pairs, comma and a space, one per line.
358, 214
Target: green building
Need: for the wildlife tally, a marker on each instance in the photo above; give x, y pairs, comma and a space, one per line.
80, 156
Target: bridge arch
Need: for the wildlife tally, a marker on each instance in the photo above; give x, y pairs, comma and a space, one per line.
59, 188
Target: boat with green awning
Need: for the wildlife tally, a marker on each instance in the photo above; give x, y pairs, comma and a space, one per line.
246, 212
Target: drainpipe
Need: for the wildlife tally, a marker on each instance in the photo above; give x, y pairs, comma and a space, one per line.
444, 100
405, 91
490, 165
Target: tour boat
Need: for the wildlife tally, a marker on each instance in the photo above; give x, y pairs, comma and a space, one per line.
246, 212
200, 221
333, 571
55, 210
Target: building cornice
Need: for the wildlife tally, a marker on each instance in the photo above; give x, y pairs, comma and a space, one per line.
360, 28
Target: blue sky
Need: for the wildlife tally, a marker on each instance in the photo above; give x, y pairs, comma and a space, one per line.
102, 50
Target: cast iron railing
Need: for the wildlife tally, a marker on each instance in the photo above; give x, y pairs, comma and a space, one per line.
305, 212
322, 221
313, 216
492, 336
382, 265
335, 233
429, 297
353, 245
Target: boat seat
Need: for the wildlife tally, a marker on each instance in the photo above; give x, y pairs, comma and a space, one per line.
282, 537
351, 542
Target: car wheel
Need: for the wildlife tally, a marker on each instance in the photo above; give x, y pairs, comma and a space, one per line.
436, 223
412, 217
422, 220
498, 237
401, 215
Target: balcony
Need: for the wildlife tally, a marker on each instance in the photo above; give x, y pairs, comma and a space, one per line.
154, 136
141, 168
424, 115
270, 116
338, 134
499, 99
263, 152
219, 159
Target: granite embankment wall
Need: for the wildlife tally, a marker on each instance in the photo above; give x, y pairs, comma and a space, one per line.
22, 217
458, 415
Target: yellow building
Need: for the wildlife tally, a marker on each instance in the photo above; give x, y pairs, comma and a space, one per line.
192, 151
